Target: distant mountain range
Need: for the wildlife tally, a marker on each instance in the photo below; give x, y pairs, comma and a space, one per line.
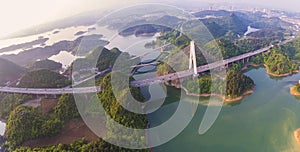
219, 22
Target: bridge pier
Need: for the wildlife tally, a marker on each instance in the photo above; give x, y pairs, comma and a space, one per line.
54, 96
226, 65
50, 96
192, 60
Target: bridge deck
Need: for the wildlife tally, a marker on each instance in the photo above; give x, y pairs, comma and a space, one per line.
49, 91
186, 73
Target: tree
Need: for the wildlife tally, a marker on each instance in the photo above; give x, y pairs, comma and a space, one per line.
66, 108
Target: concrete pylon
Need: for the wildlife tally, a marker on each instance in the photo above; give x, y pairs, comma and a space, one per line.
193, 61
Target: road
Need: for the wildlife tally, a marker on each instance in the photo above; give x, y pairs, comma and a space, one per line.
57, 91
50, 91
143, 65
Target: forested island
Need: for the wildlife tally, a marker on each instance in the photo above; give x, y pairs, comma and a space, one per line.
31, 55
237, 86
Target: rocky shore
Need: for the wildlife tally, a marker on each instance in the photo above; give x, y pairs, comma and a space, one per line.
293, 91
297, 135
226, 99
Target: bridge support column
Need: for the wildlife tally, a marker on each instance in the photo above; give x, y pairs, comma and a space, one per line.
192, 61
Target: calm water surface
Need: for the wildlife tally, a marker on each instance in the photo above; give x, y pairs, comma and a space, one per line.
65, 58
263, 121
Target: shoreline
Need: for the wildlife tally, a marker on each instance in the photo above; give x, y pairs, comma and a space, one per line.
226, 99
248, 92
249, 65
294, 92
245, 67
279, 75
297, 135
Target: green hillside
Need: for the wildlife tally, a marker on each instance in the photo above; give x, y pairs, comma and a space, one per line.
43, 78
9, 71
46, 64
278, 63
231, 22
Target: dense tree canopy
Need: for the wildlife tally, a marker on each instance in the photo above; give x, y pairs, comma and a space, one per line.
82, 146
66, 108
43, 78
278, 63
46, 64
113, 108
10, 101
100, 57
25, 123
236, 84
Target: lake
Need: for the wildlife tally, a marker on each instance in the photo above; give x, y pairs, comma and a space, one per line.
262, 121
65, 58
54, 36
250, 30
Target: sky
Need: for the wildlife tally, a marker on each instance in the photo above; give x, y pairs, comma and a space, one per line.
21, 14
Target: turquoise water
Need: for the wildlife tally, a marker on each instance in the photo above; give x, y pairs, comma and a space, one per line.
262, 121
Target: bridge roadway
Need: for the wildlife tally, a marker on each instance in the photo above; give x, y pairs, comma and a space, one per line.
186, 73
57, 91
143, 65
50, 91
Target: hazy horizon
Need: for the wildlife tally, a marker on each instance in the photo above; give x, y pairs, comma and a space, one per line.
20, 15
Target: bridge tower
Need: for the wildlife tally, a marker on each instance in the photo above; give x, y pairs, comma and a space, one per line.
192, 60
